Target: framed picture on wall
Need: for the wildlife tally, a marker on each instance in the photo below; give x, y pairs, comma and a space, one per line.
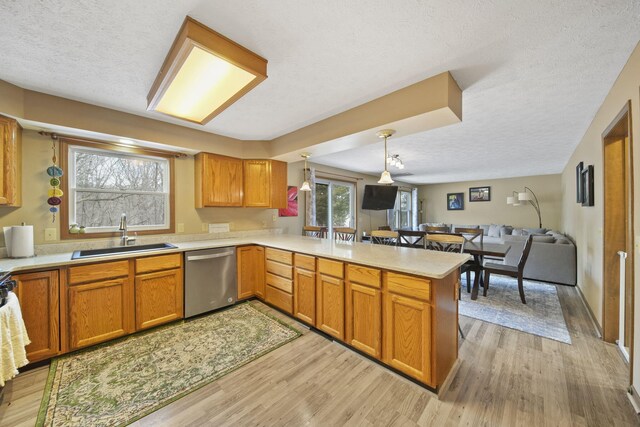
579, 186
480, 194
587, 186
292, 202
455, 201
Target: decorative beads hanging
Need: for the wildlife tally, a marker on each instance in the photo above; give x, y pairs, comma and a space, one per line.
54, 172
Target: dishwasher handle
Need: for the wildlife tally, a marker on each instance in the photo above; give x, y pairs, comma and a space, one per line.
211, 256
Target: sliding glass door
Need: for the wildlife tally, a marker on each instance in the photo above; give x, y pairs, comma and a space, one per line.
335, 204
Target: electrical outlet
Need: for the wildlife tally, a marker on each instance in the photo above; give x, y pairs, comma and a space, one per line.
180, 227
50, 234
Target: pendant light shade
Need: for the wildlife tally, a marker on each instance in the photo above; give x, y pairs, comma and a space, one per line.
305, 185
385, 177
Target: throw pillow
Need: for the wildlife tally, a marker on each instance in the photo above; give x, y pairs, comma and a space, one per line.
517, 232
494, 230
506, 231
485, 229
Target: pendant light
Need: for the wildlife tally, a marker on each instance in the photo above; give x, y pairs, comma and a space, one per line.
385, 177
305, 185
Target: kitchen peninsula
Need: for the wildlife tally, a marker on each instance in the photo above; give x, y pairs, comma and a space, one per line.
395, 305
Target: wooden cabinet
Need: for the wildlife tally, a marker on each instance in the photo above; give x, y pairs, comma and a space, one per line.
250, 264
304, 288
40, 302
158, 290
363, 313
330, 298
99, 311
265, 184
10, 162
407, 326
218, 180
279, 279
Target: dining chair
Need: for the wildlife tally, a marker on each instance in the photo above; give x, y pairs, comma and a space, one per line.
384, 237
411, 239
344, 234
516, 271
446, 243
472, 235
314, 231
436, 229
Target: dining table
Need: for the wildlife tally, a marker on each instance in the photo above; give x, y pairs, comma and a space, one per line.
480, 250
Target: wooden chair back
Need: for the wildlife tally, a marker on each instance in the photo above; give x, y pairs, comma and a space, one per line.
437, 229
470, 234
411, 239
344, 234
525, 254
445, 242
314, 231
384, 237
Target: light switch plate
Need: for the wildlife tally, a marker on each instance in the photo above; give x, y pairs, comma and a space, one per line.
50, 234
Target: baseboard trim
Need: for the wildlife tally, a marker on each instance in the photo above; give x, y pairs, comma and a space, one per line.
594, 322
634, 398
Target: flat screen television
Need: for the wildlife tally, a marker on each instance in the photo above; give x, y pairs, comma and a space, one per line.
379, 197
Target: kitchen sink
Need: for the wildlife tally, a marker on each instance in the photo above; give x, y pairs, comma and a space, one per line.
120, 250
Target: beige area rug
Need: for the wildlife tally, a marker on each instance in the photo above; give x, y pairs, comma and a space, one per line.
118, 383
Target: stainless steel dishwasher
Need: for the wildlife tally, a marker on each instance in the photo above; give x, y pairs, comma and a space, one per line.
210, 280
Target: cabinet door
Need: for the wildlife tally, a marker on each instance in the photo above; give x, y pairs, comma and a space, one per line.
159, 298
250, 264
39, 301
279, 195
10, 162
218, 180
304, 295
364, 319
330, 305
257, 183
98, 311
407, 336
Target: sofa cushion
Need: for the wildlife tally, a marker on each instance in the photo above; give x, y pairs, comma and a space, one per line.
494, 230
517, 232
563, 241
506, 230
485, 229
454, 226
536, 230
544, 239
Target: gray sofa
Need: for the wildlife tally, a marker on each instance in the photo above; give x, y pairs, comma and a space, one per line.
552, 257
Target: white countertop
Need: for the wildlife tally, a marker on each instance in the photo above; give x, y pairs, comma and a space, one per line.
407, 260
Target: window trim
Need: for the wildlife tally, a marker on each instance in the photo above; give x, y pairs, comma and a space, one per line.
64, 186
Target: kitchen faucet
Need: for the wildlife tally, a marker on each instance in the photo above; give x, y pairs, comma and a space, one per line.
125, 240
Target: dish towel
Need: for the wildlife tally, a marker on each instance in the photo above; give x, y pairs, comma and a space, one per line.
13, 339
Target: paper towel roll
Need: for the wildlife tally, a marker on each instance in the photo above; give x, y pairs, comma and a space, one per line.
21, 241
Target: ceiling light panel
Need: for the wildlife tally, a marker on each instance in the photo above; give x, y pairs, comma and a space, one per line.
203, 74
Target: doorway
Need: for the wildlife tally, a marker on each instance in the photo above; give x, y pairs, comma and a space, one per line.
617, 319
335, 204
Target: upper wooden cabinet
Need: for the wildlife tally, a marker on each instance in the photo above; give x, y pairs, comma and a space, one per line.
10, 162
218, 180
265, 184
40, 301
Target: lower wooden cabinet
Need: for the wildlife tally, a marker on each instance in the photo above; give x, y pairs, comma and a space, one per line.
330, 303
39, 298
407, 336
250, 264
363, 311
159, 298
304, 295
99, 311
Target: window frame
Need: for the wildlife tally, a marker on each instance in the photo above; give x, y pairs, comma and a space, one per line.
66, 210
352, 202
397, 211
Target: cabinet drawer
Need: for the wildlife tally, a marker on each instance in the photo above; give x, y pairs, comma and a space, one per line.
284, 257
157, 263
410, 286
97, 272
281, 283
282, 300
279, 269
305, 261
364, 275
331, 268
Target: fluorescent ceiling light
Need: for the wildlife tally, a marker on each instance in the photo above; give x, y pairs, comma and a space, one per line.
203, 74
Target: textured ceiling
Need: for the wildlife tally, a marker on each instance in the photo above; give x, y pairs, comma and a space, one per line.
533, 73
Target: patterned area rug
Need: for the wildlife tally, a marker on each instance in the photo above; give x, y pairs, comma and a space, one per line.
541, 315
121, 382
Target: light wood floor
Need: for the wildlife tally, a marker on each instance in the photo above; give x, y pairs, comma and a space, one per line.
505, 378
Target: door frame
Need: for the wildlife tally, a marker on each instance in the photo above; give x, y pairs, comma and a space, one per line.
619, 129
353, 201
